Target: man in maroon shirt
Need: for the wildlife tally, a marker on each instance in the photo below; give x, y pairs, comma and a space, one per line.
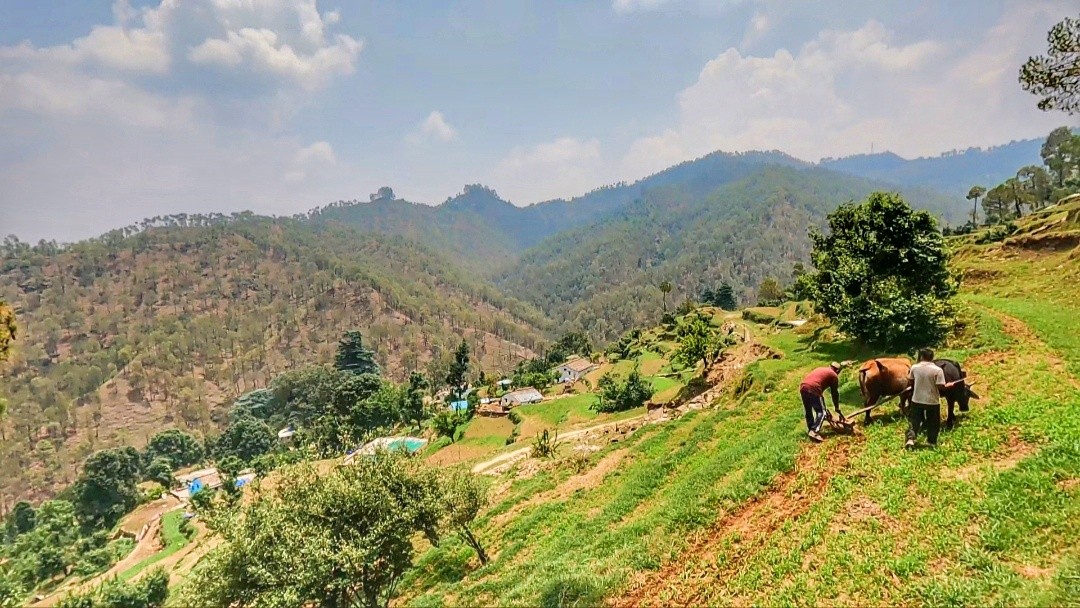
812, 391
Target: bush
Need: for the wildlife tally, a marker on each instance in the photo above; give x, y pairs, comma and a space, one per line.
995, 234
617, 396
446, 423
150, 592
160, 470
514, 416
546, 444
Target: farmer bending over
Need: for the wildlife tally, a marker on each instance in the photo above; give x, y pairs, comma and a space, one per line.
924, 411
812, 391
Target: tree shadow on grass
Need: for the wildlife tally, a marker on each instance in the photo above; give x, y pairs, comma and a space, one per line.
571, 592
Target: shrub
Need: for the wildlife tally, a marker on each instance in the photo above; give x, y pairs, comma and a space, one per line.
617, 396
546, 444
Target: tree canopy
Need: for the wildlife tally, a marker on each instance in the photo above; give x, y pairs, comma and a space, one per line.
1055, 76
457, 375
245, 439
178, 448
353, 357
105, 490
620, 395
881, 274
340, 539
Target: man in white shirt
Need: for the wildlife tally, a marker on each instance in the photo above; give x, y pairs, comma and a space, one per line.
927, 381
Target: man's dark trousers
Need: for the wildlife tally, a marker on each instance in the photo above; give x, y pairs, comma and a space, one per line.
921, 416
814, 406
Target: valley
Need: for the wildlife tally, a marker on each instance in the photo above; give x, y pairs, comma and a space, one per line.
694, 494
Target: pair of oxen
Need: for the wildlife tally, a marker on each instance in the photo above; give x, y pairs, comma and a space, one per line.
881, 379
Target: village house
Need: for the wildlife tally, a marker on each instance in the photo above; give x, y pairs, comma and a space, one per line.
575, 369
521, 396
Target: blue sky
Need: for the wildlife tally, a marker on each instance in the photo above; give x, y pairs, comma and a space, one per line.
115, 111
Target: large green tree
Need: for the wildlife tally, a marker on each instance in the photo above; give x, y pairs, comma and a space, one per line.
353, 357
1055, 76
336, 540
105, 490
246, 439
412, 406
180, 449
621, 395
725, 297
665, 288
457, 375
698, 341
882, 274
1053, 156
21, 520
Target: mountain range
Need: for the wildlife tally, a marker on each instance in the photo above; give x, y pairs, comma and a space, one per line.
165, 323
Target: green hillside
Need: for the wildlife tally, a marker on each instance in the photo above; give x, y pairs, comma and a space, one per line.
604, 277
483, 232
122, 335
731, 505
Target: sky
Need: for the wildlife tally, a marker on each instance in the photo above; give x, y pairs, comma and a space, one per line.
113, 111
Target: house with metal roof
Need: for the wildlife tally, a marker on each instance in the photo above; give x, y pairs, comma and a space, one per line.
521, 396
575, 369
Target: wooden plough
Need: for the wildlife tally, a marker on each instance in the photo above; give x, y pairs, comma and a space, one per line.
847, 425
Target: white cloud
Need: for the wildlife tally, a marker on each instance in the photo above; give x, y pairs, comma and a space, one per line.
310, 159
626, 6
631, 6
100, 142
846, 90
560, 168
261, 50
433, 128
436, 126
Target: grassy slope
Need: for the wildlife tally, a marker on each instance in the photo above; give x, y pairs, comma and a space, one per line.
172, 538
731, 505
484, 437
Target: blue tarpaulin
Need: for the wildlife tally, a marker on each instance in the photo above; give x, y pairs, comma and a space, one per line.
459, 406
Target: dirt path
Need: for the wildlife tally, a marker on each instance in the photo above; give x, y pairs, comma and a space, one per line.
503, 462
681, 581
719, 378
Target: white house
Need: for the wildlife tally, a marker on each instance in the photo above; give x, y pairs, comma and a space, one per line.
520, 397
575, 369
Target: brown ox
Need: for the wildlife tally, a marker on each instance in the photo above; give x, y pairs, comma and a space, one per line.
883, 379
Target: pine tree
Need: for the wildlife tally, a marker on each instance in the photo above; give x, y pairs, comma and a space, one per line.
353, 357
459, 368
725, 297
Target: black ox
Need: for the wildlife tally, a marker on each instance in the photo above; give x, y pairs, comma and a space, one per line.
960, 394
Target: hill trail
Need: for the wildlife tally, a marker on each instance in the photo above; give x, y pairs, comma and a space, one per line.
718, 378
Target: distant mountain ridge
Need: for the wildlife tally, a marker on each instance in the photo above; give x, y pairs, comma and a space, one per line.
952, 173
480, 229
603, 278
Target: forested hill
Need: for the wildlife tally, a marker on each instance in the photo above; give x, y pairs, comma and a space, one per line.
123, 335
482, 231
603, 278
952, 173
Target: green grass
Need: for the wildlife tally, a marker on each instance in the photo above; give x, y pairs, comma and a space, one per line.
558, 411
173, 539
681, 476
990, 517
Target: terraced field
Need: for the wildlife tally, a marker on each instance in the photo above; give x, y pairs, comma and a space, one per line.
732, 506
